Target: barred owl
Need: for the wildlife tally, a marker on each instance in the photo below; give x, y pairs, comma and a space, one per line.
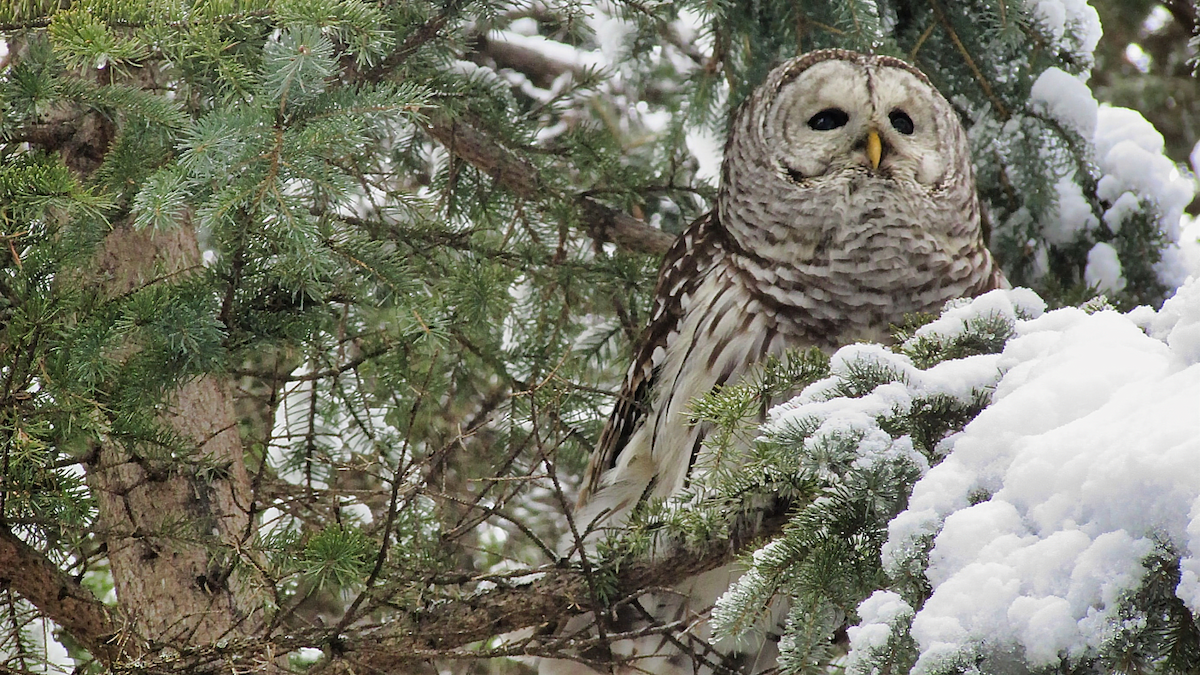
847, 200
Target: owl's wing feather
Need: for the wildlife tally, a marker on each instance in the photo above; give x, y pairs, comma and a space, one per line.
683, 268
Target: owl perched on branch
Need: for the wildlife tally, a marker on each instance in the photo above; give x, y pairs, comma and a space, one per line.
847, 200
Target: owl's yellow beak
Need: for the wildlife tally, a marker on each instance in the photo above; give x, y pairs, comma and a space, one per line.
874, 148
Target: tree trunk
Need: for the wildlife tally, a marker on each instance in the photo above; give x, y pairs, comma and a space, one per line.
172, 526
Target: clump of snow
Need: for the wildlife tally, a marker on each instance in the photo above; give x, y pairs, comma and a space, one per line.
1189, 582
960, 379
1121, 210
1067, 99
1103, 270
1017, 303
1178, 323
1130, 154
1135, 179
1074, 214
856, 420
564, 56
1182, 259
882, 614
611, 32
708, 150
305, 656
1041, 515
1072, 26
524, 26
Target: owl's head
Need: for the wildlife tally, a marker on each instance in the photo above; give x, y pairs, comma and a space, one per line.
833, 113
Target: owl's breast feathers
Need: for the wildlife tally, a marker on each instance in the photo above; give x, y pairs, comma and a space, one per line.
720, 308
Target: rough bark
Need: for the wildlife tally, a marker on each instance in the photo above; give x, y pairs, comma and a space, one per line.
171, 528
61, 598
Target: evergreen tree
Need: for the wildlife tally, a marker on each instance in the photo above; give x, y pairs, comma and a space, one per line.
312, 310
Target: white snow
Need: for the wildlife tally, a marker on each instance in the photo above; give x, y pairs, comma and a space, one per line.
1066, 99
1129, 152
564, 55
856, 418
1074, 214
1103, 270
881, 613
1138, 57
1134, 173
1071, 25
1013, 304
708, 151
1178, 323
1158, 18
306, 656
1049, 501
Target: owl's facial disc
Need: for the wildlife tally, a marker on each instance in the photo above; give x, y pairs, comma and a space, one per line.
839, 116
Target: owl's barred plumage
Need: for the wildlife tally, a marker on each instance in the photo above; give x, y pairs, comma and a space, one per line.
847, 200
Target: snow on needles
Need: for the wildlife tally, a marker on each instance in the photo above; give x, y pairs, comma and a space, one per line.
1133, 170
1042, 513
1132, 167
1072, 26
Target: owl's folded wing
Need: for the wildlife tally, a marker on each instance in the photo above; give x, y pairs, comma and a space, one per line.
682, 269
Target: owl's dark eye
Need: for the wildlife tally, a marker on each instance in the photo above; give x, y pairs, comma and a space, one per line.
829, 118
901, 122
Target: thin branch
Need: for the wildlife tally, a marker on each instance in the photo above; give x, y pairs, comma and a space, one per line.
50, 135
393, 501
415, 40
442, 629
521, 177
979, 78
538, 66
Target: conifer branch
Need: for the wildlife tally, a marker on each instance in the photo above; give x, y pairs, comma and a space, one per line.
520, 176
507, 168
540, 68
437, 631
428, 31
1001, 110
60, 598
442, 629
